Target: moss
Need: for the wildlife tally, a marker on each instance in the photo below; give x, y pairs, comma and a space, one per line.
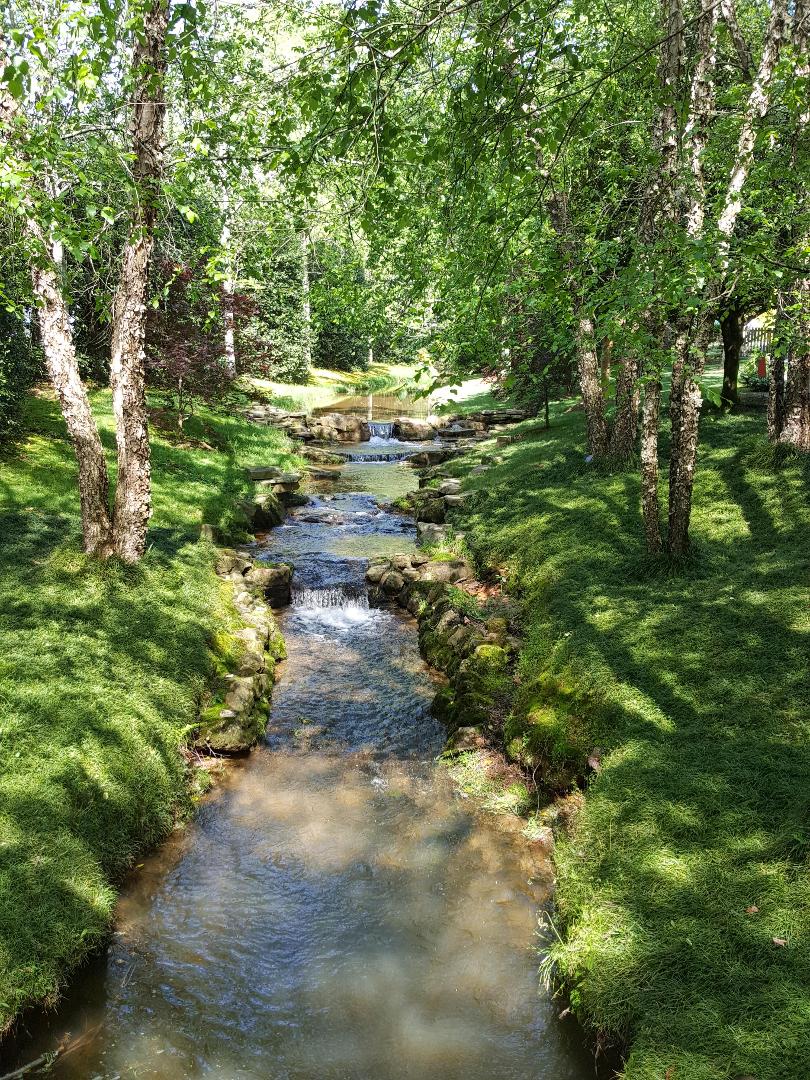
276, 647
546, 731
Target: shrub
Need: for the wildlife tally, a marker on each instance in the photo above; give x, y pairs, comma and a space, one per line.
17, 370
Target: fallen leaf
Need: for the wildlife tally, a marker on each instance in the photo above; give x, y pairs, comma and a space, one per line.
594, 763
779, 941
752, 910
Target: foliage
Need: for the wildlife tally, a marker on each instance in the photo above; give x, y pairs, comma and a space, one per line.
184, 350
18, 368
751, 378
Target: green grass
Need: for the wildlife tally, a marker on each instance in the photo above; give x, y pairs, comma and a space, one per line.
692, 683
326, 387
101, 673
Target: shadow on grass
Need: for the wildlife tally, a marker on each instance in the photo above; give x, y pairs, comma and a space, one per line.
101, 671
691, 854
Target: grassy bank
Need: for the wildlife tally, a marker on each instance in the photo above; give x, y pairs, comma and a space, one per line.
684, 894
326, 387
100, 677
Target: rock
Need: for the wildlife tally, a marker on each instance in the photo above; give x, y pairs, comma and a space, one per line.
413, 430
208, 532
275, 582
458, 431
414, 604
448, 621
322, 457
265, 512
400, 562
466, 738
459, 638
427, 458
543, 837
228, 562
264, 472
451, 501
252, 662
447, 572
375, 574
429, 509
315, 473
338, 427
392, 582
427, 532
449, 487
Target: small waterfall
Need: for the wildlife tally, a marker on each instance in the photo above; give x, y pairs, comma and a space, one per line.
392, 455
334, 596
379, 429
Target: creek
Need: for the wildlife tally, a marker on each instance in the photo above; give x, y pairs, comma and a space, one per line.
336, 911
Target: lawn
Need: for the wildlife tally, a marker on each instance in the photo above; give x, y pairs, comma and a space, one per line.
100, 678
683, 909
326, 387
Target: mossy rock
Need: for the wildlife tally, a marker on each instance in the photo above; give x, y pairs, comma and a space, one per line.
426, 506
546, 731
225, 733
293, 498
267, 511
276, 646
483, 685
443, 706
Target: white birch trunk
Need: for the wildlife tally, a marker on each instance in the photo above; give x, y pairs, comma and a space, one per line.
63, 370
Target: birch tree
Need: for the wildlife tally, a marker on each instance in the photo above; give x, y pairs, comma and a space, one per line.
120, 529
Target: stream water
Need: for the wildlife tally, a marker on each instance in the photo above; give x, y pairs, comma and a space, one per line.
336, 911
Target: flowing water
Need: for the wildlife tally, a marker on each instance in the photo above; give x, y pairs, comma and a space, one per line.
336, 911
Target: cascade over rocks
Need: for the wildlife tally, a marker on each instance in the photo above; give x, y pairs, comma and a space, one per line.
338, 427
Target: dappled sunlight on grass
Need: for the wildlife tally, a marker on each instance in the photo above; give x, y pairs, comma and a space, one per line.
693, 679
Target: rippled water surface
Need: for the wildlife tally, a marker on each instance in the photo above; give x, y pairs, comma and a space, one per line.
336, 912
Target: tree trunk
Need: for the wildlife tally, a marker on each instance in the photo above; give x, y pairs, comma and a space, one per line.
228, 320
683, 453
306, 302
63, 371
625, 425
605, 361
650, 414
593, 396
795, 429
133, 504
776, 397
731, 327
757, 106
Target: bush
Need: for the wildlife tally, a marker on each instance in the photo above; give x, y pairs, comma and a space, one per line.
17, 371
752, 379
